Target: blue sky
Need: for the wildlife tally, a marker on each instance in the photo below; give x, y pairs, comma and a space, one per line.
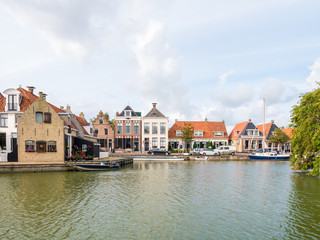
196, 59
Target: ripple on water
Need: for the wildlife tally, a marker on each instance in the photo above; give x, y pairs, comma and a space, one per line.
210, 200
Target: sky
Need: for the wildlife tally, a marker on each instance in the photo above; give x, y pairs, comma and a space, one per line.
196, 59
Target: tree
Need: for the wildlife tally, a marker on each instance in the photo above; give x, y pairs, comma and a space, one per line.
305, 143
187, 133
278, 137
195, 145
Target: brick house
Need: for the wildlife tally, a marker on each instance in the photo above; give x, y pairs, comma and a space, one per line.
246, 137
47, 134
103, 130
204, 132
128, 130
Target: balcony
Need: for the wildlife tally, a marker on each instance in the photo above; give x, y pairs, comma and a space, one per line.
12, 106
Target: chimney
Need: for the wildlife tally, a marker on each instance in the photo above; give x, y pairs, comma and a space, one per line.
81, 115
45, 96
61, 107
206, 120
176, 120
249, 120
154, 105
41, 96
272, 121
31, 88
68, 109
117, 113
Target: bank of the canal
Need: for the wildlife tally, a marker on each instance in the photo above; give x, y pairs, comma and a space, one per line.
18, 167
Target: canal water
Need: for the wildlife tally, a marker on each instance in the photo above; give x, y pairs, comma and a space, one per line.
167, 200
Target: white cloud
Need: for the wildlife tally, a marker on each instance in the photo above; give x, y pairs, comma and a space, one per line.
272, 90
223, 77
235, 96
314, 76
159, 72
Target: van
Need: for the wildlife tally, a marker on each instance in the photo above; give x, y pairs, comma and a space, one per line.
226, 150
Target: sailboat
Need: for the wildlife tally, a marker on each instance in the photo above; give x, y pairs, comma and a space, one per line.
267, 156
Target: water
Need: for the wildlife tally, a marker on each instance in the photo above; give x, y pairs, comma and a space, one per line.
182, 200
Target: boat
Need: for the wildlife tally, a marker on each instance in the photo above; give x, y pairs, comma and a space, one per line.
267, 155
201, 158
103, 166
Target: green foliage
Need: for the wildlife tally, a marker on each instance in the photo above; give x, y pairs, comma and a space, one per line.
278, 137
187, 132
305, 119
169, 147
209, 144
112, 123
195, 145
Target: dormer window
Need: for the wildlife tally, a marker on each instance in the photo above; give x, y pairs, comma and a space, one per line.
12, 103
178, 133
236, 132
127, 113
198, 133
218, 134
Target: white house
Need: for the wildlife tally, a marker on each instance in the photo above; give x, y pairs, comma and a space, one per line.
12, 103
154, 130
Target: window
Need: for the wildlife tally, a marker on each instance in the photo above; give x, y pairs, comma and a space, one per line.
39, 117
198, 133
136, 128
84, 147
253, 144
128, 128
30, 146
154, 142
106, 131
146, 128
236, 132
96, 131
246, 144
127, 113
47, 117
12, 103
3, 120
41, 146
178, 133
119, 128
100, 120
218, 134
52, 146
162, 128
3, 141
102, 142
162, 142
17, 115
253, 132
154, 128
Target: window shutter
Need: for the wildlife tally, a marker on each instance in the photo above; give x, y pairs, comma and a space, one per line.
47, 117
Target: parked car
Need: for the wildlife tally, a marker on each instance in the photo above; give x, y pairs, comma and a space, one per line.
226, 150
158, 151
196, 151
209, 152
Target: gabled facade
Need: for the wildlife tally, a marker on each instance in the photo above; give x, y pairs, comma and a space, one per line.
13, 102
154, 130
128, 130
246, 137
103, 130
47, 134
204, 132
268, 131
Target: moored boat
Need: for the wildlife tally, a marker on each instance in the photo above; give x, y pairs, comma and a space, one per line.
270, 156
97, 167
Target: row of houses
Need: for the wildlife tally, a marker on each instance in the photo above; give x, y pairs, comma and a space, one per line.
33, 130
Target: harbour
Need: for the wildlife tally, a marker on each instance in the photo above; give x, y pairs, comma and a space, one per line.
163, 200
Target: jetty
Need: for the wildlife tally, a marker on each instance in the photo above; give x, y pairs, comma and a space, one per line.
24, 167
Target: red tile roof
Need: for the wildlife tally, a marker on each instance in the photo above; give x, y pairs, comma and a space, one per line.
27, 99
288, 132
2, 104
207, 127
238, 127
267, 128
82, 123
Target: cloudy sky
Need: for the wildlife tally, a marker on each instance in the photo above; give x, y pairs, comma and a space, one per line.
196, 59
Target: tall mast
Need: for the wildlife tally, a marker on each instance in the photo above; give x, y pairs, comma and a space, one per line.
264, 116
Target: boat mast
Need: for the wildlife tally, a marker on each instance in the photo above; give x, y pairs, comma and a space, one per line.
264, 116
